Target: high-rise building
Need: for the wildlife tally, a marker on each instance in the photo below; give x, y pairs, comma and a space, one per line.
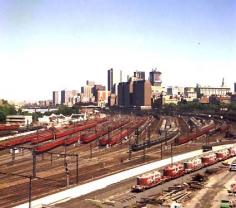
55, 98
110, 79
142, 93
155, 77
86, 93
113, 77
65, 97
235, 87
95, 90
139, 75
90, 83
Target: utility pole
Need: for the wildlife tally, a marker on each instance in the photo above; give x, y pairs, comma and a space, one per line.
34, 163
91, 150
67, 172
149, 134
171, 149
77, 168
161, 150
13, 154
29, 187
51, 158
108, 134
30, 190
144, 153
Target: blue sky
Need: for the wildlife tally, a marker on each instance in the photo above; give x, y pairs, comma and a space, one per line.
53, 45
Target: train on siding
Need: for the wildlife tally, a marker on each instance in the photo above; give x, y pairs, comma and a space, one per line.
195, 134
48, 135
118, 137
170, 172
171, 133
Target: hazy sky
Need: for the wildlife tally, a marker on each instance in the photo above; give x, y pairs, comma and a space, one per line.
55, 44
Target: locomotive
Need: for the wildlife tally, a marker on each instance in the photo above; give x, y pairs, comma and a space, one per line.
172, 171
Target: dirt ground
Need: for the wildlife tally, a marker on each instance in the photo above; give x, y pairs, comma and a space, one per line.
214, 191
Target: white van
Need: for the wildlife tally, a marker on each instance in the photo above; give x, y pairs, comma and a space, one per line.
232, 167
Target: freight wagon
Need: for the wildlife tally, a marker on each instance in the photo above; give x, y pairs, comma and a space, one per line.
176, 170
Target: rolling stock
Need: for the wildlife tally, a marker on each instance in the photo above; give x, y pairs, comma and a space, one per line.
7, 127
151, 179
117, 138
92, 137
53, 144
47, 135
193, 135
149, 143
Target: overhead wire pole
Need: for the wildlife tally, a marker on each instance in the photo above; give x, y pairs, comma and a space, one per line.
77, 168
66, 165
34, 163
171, 150
30, 190
30, 184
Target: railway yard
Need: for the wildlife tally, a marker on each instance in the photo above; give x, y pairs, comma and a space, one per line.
57, 159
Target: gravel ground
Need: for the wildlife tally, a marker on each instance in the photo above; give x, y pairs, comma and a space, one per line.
214, 191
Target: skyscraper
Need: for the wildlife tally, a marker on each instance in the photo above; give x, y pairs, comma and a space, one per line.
65, 97
114, 77
142, 93
155, 77
55, 98
110, 79
140, 75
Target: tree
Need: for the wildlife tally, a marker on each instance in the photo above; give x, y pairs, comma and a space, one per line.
2, 116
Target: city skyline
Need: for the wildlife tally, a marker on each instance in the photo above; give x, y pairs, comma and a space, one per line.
58, 45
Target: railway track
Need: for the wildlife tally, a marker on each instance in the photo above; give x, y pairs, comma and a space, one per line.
105, 161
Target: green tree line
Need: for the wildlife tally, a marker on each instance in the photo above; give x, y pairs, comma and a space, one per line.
6, 109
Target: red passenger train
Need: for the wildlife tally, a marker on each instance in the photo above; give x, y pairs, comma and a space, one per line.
46, 135
118, 137
193, 135
92, 137
9, 127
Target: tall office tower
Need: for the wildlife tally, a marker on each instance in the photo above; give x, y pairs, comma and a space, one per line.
65, 97
139, 75
55, 98
142, 93
155, 77
113, 77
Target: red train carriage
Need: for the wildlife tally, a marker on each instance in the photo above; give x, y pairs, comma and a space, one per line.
208, 159
147, 181
191, 136
192, 165
9, 127
173, 171
222, 154
72, 140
